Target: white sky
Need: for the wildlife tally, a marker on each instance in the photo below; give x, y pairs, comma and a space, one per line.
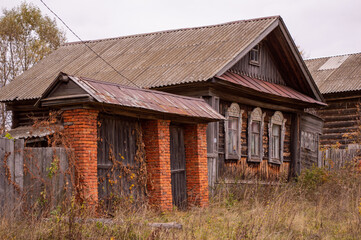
319, 27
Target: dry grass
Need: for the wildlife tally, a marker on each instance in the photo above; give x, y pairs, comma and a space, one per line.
321, 205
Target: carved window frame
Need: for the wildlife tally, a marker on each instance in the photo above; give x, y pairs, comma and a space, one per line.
234, 111
276, 119
255, 115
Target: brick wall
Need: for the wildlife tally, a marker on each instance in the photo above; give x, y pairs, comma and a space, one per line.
195, 142
157, 147
80, 126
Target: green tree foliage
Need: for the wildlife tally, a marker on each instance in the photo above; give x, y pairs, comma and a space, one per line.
26, 36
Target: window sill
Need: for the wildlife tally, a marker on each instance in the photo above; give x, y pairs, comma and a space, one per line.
254, 160
275, 161
233, 157
254, 63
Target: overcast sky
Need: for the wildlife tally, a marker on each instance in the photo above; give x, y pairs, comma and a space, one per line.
319, 27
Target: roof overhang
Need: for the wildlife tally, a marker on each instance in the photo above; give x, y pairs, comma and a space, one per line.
27, 132
271, 91
139, 102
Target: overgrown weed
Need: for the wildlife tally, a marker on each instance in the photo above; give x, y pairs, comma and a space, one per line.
313, 207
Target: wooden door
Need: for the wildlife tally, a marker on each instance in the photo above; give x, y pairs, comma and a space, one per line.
117, 148
178, 166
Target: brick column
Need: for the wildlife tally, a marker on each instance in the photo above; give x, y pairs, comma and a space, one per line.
157, 147
195, 142
80, 126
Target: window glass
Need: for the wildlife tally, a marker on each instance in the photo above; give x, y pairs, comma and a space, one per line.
255, 138
276, 133
254, 54
232, 135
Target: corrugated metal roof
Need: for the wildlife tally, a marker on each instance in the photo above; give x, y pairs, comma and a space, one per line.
269, 88
336, 74
125, 96
149, 60
25, 132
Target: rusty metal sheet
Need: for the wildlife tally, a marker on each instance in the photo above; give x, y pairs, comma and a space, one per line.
111, 93
267, 87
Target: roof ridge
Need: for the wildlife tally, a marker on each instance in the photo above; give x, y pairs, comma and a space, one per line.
340, 55
172, 30
134, 88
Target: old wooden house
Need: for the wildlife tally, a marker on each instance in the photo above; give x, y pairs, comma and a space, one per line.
339, 80
249, 71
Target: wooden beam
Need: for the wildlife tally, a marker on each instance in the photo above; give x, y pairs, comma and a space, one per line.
295, 146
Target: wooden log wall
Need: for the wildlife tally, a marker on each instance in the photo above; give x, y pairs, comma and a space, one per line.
241, 168
24, 113
266, 70
342, 121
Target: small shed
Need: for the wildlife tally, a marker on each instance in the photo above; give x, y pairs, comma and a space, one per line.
128, 140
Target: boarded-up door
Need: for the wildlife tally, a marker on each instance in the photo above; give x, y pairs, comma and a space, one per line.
117, 148
178, 166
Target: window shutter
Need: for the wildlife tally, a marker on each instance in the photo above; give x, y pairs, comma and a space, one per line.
249, 138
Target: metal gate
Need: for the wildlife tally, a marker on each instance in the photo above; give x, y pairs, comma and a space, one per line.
178, 166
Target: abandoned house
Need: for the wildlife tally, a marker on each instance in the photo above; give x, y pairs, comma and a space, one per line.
249, 71
339, 80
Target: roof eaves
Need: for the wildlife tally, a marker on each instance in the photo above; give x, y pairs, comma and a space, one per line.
301, 62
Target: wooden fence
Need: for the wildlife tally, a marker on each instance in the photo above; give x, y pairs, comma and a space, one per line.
334, 158
31, 177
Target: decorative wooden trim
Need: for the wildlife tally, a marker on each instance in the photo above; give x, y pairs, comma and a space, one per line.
277, 119
233, 111
255, 115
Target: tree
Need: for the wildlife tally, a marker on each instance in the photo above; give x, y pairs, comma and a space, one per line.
26, 36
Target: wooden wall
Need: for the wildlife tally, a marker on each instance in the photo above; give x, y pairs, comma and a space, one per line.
267, 69
24, 113
311, 130
342, 118
241, 168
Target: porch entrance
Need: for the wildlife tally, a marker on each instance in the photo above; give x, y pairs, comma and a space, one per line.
178, 166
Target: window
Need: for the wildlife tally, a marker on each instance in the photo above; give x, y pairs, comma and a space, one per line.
233, 126
309, 141
255, 135
254, 55
276, 130
255, 138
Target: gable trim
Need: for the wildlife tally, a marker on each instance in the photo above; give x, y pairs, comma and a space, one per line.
301, 62
240, 55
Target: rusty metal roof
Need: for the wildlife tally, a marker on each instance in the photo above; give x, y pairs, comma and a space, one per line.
337, 73
268, 88
149, 60
162, 102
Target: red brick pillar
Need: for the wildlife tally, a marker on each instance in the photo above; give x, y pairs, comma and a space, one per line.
157, 147
195, 142
80, 126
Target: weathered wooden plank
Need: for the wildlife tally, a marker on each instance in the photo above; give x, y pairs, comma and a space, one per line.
3, 179
19, 163
10, 195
